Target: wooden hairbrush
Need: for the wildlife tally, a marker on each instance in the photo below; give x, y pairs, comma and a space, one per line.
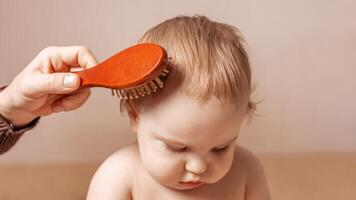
132, 73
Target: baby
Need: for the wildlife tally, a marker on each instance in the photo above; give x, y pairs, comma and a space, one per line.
186, 133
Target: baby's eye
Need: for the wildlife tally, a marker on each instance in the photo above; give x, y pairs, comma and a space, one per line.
179, 150
220, 150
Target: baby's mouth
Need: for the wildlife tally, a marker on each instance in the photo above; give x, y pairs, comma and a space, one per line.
191, 184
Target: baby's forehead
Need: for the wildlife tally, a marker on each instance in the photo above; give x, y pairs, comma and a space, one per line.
181, 113
180, 103
193, 136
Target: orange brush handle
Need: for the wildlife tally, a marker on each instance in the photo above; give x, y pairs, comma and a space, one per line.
128, 68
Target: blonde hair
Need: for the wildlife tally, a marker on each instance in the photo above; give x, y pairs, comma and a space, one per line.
206, 58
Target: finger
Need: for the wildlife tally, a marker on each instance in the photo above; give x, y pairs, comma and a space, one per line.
71, 102
83, 56
61, 59
45, 84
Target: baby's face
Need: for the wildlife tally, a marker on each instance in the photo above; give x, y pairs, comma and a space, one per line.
181, 140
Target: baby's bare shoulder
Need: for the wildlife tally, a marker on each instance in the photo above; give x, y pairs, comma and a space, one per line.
113, 179
243, 163
123, 160
126, 156
245, 158
251, 166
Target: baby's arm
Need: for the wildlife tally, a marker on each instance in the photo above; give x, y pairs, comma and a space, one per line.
256, 186
112, 180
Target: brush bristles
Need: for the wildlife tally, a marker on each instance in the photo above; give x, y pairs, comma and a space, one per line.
143, 90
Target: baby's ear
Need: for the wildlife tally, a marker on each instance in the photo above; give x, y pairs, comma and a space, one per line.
133, 116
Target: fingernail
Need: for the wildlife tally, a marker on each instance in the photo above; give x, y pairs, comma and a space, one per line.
69, 80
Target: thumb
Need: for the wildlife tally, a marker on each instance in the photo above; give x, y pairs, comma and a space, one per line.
55, 83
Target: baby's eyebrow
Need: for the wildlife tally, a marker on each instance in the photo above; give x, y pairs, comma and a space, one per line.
228, 142
169, 140
182, 144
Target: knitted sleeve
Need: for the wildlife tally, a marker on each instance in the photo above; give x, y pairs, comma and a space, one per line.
9, 134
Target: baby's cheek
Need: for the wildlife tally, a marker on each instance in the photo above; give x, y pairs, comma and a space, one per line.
221, 167
162, 166
170, 169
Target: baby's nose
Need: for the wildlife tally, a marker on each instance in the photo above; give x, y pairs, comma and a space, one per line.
196, 165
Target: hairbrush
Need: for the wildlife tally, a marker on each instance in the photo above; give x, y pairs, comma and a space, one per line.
131, 73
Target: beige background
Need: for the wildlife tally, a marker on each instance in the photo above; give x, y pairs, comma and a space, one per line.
304, 65
303, 54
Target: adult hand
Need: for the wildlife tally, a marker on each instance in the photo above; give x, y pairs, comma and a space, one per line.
46, 85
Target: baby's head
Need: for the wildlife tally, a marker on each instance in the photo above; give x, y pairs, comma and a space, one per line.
187, 131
